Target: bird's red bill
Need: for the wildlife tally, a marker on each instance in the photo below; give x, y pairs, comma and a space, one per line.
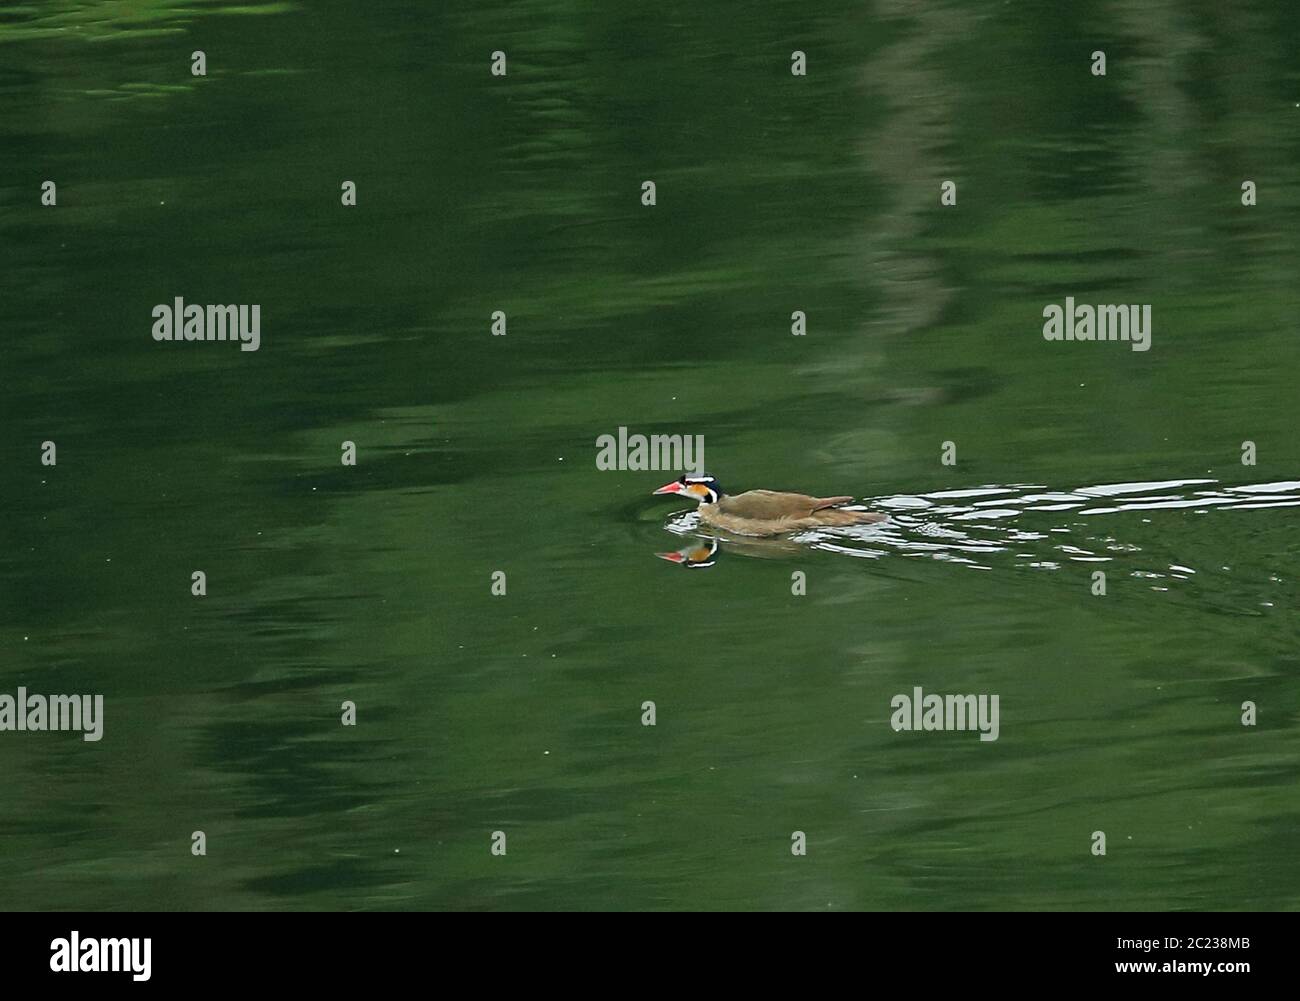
669, 488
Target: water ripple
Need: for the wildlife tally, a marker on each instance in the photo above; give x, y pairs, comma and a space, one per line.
1026, 525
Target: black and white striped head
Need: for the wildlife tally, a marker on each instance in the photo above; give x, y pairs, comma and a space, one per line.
703, 488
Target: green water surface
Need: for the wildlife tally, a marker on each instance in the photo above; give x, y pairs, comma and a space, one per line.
522, 713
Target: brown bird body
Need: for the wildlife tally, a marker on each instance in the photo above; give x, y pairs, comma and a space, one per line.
767, 512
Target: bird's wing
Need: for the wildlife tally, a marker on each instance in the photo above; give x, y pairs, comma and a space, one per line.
825, 502
770, 505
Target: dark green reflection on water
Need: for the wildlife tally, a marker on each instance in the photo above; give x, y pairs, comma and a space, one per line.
522, 713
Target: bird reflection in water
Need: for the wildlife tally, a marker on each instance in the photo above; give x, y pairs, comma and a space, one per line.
706, 552
700, 553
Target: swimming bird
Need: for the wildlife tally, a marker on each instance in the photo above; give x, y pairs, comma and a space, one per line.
765, 512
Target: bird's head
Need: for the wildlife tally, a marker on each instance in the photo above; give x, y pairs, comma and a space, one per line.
703, 488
